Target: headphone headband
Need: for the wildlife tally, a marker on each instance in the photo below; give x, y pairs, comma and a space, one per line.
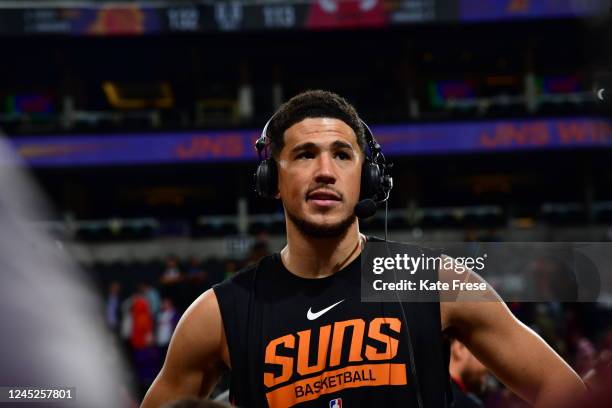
376, 155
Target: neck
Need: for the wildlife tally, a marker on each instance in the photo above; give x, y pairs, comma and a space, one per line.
320, 257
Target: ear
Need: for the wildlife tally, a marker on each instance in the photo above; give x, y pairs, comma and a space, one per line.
458, 350
463, 351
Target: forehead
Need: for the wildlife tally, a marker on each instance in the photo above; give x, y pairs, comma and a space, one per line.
319, 131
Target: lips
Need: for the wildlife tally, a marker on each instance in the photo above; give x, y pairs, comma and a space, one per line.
323, 199
323, 196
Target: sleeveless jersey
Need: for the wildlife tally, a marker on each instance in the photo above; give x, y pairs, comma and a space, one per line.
312, 343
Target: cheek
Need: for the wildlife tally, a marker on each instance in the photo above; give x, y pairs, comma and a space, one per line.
355, 181
290, 184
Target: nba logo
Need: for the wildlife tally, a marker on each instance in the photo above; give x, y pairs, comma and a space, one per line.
335, 403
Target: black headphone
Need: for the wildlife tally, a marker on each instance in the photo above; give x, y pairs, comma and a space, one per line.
376, 180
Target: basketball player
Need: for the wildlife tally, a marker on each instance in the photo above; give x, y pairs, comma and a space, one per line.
292, 328
468, 376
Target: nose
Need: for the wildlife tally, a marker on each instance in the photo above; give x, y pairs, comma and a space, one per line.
325, 172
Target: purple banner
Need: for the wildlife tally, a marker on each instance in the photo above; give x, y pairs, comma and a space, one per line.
478, 10
102, 20
409, 139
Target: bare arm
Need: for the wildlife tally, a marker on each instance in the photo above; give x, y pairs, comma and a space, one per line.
515, 354
196, 357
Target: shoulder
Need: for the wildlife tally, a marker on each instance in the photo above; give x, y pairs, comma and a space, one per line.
196, 357
471, 298
199, 338
203, 312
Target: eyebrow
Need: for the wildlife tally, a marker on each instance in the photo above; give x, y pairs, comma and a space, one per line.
303, 146
338, 144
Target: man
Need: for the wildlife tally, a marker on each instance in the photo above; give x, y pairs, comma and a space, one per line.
293, 330
468, 376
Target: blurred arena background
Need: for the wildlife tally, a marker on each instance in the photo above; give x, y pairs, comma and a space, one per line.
137, 120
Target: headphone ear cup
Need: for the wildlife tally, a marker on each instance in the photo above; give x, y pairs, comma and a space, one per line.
266, 179
370, 180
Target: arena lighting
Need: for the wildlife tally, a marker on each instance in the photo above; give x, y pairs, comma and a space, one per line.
136, 96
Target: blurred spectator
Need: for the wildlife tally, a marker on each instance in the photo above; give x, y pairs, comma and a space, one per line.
126, 319
172, 273
112, 306
167, 320
195, 270
173, 285
585, 356
152, 296
259, 250
468, 376
145, 355
599, 382
142, 321
198, 279
230, 269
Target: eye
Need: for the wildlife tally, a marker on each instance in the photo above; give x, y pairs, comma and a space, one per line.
343, 155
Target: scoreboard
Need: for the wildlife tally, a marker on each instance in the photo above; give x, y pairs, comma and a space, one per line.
142, 18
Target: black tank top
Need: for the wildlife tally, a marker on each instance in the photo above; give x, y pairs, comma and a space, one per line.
312, 342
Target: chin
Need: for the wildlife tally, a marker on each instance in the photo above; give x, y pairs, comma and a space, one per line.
323, 225
325, 220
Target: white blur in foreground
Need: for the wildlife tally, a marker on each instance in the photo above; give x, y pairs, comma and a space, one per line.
52, 322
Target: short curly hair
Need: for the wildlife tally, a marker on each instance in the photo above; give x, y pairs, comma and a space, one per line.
312, 104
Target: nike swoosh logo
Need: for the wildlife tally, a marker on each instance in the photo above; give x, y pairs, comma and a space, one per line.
312, 316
